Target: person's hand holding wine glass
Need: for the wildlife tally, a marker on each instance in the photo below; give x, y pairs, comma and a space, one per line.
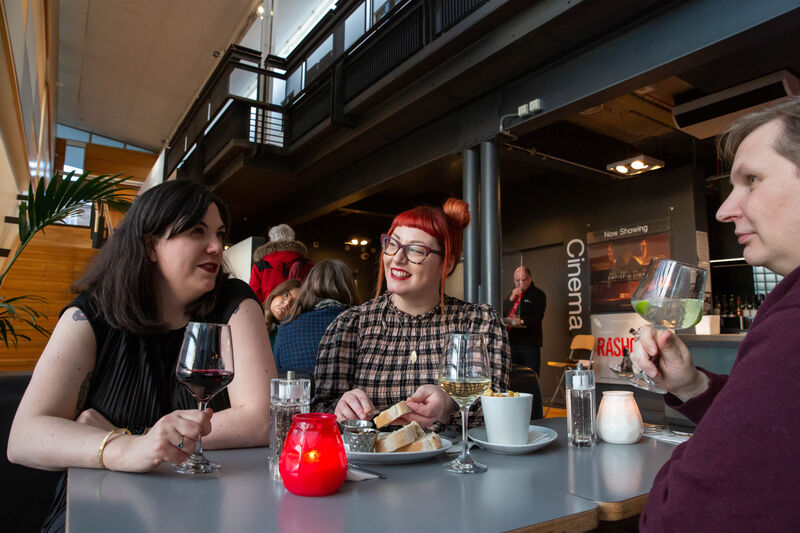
205, 367
664, 358
670, 296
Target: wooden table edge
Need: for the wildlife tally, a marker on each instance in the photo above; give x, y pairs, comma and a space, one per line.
583, 521
613, 511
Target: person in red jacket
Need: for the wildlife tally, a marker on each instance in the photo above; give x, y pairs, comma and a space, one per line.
276, 261
739, 471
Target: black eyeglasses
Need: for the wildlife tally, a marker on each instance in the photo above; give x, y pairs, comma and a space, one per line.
415, 253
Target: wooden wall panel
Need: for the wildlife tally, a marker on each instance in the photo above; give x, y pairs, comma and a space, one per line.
47, 267
108, 160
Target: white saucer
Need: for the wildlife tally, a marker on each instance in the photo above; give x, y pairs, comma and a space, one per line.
538, 437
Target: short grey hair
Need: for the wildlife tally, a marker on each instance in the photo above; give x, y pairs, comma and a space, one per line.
787, 144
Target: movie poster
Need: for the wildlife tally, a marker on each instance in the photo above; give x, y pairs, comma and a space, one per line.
618, 259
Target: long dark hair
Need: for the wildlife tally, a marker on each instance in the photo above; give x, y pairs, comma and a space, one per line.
121, 279
285, 286
330, 278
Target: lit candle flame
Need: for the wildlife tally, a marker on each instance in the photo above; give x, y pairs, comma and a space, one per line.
312, 456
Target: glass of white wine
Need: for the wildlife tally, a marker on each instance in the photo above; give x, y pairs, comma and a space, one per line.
465, 374
670, 296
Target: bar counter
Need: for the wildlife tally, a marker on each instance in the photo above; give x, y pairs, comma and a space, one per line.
556, 487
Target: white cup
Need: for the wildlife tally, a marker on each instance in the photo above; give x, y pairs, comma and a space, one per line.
507, 418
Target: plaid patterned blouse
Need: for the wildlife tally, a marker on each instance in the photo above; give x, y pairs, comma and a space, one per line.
369, 347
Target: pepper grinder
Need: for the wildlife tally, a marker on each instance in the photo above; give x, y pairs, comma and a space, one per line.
288, 397
581, 426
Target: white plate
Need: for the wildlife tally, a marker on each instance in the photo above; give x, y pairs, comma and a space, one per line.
395, 457
538, 437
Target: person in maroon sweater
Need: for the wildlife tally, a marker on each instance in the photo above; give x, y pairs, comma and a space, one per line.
741, 469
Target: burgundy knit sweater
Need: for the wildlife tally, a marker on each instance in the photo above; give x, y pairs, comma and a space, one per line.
741, 469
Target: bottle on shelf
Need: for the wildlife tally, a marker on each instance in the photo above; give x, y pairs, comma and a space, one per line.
750, 311
740, 312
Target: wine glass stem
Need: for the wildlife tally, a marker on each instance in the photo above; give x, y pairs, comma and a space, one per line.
464, 445
198, 445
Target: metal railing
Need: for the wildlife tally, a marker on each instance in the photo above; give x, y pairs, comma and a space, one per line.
237, 79
259, 96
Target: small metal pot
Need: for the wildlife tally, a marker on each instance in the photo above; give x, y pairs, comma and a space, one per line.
360, 439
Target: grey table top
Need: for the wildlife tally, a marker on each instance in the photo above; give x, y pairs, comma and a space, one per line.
554, 482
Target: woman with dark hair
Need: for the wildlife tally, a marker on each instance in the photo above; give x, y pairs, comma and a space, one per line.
104, 393
278, 304
328, 290
387, 350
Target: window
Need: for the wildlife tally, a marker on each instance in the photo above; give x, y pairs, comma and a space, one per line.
320, 56
381, 8
71, 134
73, 158
764, 280
243, 83
105, 141
294, 84
79, 139
277, 90
136, 149
354, 25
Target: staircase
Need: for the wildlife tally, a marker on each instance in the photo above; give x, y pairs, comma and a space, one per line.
47, 267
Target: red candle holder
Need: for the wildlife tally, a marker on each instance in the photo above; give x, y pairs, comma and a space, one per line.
313, 461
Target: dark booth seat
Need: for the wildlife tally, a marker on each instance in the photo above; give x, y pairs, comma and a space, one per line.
27, 493
524, 379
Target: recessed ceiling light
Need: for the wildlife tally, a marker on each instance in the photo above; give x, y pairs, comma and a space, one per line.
635, 165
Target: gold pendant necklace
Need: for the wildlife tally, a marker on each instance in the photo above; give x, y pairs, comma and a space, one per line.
412, 358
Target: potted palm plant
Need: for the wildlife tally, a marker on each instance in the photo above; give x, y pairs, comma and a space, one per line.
49, 202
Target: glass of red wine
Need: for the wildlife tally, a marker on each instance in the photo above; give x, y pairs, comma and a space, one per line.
205, 367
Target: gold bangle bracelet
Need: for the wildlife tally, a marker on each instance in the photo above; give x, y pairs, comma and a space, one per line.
121, 431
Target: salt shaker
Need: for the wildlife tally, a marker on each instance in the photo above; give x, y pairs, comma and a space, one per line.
581, 428
288, 397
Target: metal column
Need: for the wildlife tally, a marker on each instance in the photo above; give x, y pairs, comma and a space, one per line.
470, 171
490, 225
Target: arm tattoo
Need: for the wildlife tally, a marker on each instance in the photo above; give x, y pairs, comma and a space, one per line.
236, 309
83, 394
78, 315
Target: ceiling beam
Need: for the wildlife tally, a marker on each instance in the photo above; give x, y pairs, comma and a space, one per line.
685, 35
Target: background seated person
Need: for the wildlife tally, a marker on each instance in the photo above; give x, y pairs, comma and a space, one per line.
739, 470
387, 350
281, 258
277, 307
110, 362
328, 290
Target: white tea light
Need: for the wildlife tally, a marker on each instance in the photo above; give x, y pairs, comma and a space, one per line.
618, 419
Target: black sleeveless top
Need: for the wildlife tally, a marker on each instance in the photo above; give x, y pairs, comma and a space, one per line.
133, 384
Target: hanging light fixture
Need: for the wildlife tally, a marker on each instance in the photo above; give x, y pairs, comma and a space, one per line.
635, 165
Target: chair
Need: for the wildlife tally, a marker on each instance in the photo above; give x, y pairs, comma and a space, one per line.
579, 342
524, 379
28, 493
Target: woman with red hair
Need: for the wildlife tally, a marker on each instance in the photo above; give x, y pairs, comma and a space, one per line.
387, 350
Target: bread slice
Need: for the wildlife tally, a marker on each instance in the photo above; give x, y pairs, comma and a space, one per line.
391, 414
389, 442
431, 441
